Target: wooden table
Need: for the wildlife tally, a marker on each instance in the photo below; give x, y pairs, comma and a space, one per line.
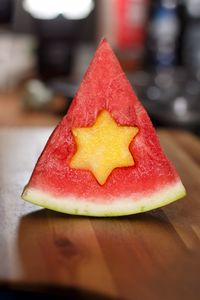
153, 255
13, 112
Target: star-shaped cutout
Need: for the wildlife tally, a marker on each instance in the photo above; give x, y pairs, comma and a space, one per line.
103, 147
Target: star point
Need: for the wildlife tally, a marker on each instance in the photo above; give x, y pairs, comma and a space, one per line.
103, 147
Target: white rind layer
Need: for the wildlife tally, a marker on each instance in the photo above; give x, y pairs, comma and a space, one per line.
119, 207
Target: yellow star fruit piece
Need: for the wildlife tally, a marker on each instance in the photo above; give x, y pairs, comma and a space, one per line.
103, 147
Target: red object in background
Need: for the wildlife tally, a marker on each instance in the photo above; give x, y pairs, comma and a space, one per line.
124, 24
131, 22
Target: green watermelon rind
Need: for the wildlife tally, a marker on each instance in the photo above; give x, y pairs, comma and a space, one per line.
120, 207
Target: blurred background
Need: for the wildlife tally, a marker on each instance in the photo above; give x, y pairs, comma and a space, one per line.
46, 46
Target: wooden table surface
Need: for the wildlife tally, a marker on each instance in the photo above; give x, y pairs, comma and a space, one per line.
154, 255
13, 112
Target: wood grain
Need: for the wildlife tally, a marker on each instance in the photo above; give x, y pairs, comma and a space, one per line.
13, 112
153, 255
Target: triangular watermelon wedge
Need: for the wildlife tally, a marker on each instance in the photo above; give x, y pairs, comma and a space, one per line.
149, 183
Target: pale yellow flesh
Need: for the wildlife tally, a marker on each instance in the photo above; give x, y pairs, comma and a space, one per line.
116, 207
103, 147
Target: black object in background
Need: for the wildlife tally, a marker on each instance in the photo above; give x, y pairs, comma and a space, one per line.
164, 33
191, 38
6, 11
57, 41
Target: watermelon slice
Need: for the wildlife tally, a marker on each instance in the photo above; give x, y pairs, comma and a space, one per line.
104, 158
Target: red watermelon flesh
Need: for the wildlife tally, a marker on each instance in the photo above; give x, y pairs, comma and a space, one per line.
150, 183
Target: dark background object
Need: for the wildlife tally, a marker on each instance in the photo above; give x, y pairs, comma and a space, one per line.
6, 11
57, 39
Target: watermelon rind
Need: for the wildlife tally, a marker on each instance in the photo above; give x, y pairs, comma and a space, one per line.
106, 207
